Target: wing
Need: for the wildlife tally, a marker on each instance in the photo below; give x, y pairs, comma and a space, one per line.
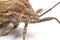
19, 7
3, 6
27, 4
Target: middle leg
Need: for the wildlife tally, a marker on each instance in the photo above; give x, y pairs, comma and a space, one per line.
25, 30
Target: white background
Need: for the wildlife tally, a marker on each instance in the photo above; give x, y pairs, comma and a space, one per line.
49, 30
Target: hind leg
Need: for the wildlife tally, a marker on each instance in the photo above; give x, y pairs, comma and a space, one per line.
8, 31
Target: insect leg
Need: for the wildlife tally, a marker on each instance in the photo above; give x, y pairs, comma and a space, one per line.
8, 31
48, 19
25, 30
49, 9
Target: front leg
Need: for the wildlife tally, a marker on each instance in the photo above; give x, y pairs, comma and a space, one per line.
48, 19
25, 30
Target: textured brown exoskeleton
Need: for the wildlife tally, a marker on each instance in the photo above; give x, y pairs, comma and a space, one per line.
15, 11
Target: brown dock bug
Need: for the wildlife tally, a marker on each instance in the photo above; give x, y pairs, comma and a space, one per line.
15, 11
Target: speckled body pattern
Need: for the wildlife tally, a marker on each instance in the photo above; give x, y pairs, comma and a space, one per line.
16, 11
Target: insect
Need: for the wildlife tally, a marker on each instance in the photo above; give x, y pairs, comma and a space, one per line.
16, 11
